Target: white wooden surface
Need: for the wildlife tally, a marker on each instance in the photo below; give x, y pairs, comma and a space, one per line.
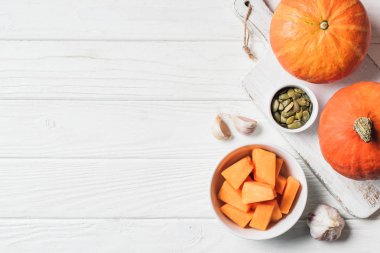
105, 111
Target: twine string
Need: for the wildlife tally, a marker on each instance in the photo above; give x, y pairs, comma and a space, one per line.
247, 33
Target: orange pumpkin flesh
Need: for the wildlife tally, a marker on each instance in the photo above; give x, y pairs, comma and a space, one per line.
320, 41
341, 145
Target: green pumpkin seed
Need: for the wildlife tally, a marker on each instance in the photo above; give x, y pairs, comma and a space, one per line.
283, 96
282, 119
299, 114
288, 107
290, 120
275, 105
294, 125
281, 107
296, 106
277, 117
296, 95
297, 90
287, 114
305, 116
290, 92
302, 101
286, 102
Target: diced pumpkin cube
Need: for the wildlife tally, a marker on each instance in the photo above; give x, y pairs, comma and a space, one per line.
279, 163
265, 166
280, 184
231, 196
262, 216
276, 215
238, 172
257, 192
239, 217
290, 192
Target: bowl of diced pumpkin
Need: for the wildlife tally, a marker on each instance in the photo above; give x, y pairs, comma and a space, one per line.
258, 191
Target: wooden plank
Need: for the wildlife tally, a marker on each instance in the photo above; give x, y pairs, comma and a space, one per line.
125, 70
372, 7
61, 236
118, 20
115, 188
122, 70
121, 129
128, 20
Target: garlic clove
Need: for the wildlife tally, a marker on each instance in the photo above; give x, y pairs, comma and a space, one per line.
325, 223
220, 130
243, 124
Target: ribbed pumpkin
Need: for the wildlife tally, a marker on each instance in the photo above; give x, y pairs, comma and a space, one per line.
320, 41
349, 131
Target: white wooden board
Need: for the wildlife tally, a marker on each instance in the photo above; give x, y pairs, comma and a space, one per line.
167, 236
116, 188
360, 198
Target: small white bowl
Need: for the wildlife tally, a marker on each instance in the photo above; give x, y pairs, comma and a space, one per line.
314, 112
291, 168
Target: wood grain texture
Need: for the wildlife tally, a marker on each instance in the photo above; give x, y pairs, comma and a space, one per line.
122, 70
121, 129
61, 236
115, 188
125, 70
118, 20
129, 20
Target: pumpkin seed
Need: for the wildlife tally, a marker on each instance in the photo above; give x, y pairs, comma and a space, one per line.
283, 97
287, 114
277, 117
302, 101
282, 119
290, 120
288, 107
299, 114
281, 107
294, 125
275, 105
296, 106
296, 95
286, 102
305, 116
298, 90
290, 92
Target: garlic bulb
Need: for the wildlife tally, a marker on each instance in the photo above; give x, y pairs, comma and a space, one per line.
220, 130
325, 223
243, 124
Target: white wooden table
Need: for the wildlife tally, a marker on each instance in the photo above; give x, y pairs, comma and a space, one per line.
105, 111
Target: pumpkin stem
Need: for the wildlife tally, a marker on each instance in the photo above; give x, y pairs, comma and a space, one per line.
324, 25
363, 127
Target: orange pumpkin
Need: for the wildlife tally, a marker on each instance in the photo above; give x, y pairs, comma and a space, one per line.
320, 41
349, 131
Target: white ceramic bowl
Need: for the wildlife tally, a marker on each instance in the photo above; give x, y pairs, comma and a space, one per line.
290, 167
314, 112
